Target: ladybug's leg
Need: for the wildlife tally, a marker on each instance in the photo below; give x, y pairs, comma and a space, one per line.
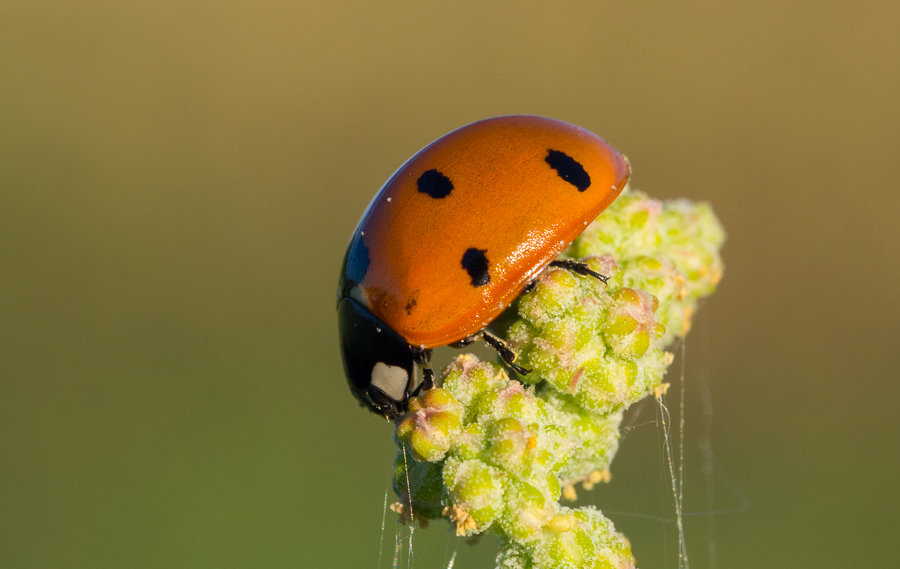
580, 268
428, 379
505, 352
423, 357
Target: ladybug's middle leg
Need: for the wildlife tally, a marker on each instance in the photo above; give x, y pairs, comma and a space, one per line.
504, 351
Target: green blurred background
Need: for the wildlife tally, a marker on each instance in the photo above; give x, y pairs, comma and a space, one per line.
178, 181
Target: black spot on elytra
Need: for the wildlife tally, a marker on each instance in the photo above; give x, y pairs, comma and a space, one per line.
476, 264
568, 169
411, 302
435, 184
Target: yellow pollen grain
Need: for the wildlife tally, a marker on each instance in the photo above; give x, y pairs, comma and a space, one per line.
561, 523
461, 519
660, 390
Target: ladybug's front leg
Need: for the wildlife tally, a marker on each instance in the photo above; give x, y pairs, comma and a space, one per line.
423, 358
580, 268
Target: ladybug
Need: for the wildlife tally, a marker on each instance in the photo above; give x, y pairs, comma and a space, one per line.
455, 236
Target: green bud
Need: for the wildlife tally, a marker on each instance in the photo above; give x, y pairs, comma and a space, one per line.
429, 427
475, 494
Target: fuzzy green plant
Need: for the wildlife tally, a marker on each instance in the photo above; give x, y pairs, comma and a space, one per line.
494, 453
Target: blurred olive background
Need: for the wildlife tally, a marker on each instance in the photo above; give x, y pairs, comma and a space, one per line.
178, 182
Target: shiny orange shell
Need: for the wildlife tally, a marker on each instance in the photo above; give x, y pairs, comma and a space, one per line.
458, 231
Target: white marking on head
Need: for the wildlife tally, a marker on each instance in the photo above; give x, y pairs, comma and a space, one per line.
390, 379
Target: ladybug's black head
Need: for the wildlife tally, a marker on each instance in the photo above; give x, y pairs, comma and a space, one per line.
380, 365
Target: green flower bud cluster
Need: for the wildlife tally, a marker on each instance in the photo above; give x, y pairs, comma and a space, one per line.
669, 249
496, 454
589, 341
583, 538
502, 469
